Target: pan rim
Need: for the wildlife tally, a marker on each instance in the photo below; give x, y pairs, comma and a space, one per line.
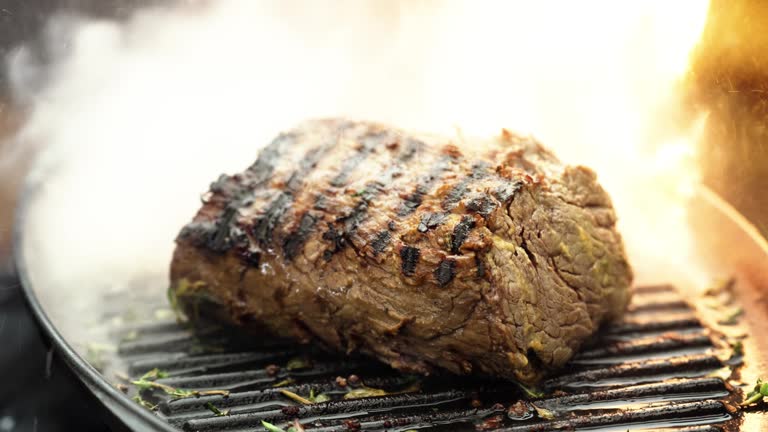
107, 394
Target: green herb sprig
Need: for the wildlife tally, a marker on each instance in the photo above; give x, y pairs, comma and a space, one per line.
147, 381
757, 394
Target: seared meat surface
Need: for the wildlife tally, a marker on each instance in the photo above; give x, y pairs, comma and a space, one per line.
476, 257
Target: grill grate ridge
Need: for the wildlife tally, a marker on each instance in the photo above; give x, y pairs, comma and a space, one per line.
648, 371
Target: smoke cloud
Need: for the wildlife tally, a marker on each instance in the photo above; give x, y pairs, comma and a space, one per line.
131, 121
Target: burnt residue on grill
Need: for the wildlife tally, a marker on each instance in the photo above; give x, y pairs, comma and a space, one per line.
651, 371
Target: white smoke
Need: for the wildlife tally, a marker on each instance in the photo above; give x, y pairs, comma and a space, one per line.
137, 118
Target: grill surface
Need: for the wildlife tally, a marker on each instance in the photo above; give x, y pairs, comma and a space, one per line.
658, 370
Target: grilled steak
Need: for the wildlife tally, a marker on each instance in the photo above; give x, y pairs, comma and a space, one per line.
485, 257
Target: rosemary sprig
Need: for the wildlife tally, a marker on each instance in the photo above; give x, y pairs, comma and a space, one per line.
216, 411
300, 399
147, 381
270, 427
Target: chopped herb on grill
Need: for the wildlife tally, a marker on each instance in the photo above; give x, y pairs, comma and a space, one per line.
312, 399
297, 363
147, 382
270, 427
285, 382
217, 412
296, 427
531, 392
300, 399
365, 391
322, 397
758, 394
150, 406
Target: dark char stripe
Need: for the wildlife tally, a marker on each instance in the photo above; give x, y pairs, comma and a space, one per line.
479, 171
461, 232
222, 235
352, 221
381, 242
265, 164
424, 185
410, 257
295, 241
265, 225
370, 142
480, 264
445, 271
481, 204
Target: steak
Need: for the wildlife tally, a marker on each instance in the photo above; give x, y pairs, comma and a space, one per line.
485, 256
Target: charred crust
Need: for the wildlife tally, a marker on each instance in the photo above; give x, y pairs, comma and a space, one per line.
460, 233
352, 221
482, 205
423, 185
478, 171
368, 146
250, 257
338, 242
381, 242
265, 224
392, 225
430, 221
321, 202
197, 233
410, 257
264, 166
224, 185
480, 266
445, 271
294, 242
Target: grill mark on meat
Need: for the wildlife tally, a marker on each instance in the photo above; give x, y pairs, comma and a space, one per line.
445, 271
380, 243
368, 146
478, 171
338, 242
430, 221
265, 225
461, 232
265, 164
321, 202
221, 235
296, 239
410, 257
352, 221
480, 265
482, 205
424, 185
